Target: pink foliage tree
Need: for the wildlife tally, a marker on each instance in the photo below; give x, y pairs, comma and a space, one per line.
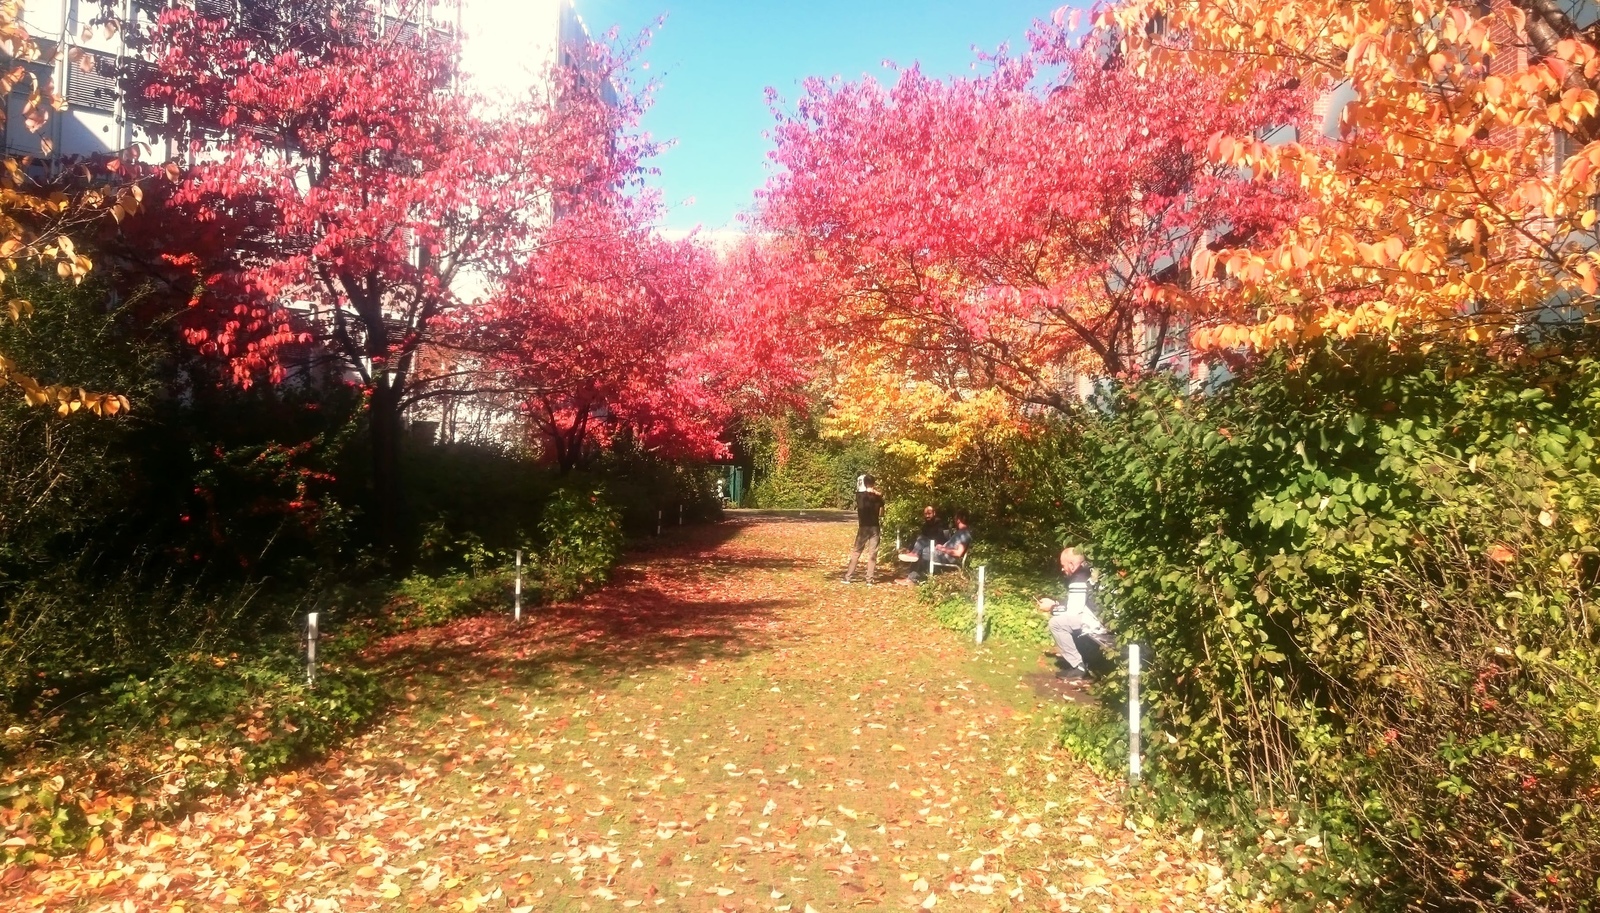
999, 228
610, 331
346, 192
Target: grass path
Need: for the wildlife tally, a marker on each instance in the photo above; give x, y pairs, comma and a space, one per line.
725, 727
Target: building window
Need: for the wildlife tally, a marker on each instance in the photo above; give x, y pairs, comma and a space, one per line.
19, 138
92, 80
214, 9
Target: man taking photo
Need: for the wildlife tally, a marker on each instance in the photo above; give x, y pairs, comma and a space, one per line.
869, 513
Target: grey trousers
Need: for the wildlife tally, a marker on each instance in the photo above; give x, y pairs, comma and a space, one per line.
866, 546
1063, 627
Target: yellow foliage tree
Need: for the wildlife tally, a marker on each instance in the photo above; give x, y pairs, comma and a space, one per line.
36, 221
927, 424
1458, 194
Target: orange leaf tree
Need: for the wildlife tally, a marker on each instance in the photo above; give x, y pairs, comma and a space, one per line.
1454, 184
40, 207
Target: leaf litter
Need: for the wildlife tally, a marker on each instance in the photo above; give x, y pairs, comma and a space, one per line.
725, 727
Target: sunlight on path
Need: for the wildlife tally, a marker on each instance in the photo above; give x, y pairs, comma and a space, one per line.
726, 727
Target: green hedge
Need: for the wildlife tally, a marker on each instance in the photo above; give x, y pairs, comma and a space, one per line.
795, 468
1365, 585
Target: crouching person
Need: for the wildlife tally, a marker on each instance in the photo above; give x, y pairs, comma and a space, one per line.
1076, 618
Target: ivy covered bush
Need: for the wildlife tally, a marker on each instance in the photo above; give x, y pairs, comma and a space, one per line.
797, 468
581, 535
1365, 583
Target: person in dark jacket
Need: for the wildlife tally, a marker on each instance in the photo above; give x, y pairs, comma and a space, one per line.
932, 529
869, 514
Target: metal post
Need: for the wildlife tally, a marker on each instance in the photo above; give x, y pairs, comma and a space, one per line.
311, 649
658, 522
897, 548
516, 605
981, 569
1135, 767
680, 514
932, 550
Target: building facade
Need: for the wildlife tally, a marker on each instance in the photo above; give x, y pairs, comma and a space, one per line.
508, 49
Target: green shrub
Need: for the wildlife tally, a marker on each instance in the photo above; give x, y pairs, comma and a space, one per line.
146, 744
645, 489
426, 600
471, 501
1097, 737
169, 528
582, 540
1365, 585
1009, 606
795, 468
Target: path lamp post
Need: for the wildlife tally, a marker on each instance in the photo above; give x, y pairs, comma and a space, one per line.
982, 568
1135, 765
516, 599
311, 648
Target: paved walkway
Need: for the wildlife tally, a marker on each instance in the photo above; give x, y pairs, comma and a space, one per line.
726, 727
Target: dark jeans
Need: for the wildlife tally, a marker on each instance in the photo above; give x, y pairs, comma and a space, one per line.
920, 548
866, 545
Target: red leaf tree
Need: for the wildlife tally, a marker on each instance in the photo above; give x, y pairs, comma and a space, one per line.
348, 193
1010, 230
610, 331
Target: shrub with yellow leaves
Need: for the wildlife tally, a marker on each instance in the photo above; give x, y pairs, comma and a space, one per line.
36, 220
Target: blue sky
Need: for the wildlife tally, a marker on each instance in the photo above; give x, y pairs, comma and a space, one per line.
715, 58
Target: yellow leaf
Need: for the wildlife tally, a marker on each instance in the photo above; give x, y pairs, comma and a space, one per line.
1392, 248
1586, 277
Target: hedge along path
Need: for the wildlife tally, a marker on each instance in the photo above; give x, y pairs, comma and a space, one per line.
725, 727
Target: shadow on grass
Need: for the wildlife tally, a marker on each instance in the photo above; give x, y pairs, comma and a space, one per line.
652, 614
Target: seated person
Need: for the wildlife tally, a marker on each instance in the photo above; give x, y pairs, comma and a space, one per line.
951, 551
1076, 618
932, 531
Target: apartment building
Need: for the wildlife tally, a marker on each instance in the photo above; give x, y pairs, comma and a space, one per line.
81, 55
508, 48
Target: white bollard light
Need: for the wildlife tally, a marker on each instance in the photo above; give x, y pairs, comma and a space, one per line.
311, 648
1135, 763
658, 521
516, 605
982, 568
680, 514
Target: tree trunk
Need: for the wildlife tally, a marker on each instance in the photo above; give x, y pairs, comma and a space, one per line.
388, 490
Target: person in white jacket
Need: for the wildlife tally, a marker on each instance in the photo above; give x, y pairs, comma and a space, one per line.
1075, 616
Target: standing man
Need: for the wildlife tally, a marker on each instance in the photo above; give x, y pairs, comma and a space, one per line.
1076, 616
869, 510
